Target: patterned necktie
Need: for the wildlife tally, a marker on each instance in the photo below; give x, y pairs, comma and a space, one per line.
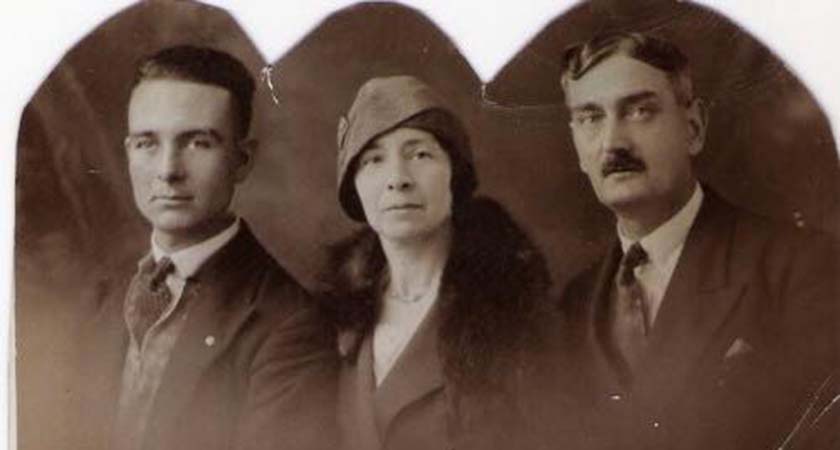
631, 318
149, 296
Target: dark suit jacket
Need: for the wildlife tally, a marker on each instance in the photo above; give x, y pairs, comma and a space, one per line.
264, 380
819, 426
742, 333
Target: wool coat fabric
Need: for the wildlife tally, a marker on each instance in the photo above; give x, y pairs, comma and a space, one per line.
743, 334
462, 380
819, 425
253, 368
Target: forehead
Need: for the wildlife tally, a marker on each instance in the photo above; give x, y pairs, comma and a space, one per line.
177, 105
616, 77
399, 137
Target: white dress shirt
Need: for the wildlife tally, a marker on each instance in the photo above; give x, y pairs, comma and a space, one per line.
187, 261
664, 246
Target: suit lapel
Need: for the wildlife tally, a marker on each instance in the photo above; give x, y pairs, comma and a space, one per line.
416, 373
698, 300
217, 310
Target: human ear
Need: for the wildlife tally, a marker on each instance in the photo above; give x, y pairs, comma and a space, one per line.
698, 118
246, 150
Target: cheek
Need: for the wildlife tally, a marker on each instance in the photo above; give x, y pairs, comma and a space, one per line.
218, 170
669, 152
139, 173
442, 185
367, 190
583, 149
211, 181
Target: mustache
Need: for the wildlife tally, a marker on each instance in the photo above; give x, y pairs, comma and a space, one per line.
622, 162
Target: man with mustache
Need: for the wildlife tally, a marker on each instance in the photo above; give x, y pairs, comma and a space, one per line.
211, 344
704, 325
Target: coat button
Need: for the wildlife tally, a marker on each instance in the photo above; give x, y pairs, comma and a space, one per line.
210, 341
616, 397
655, 424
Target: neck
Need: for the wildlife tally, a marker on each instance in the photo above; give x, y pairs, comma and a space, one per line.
171, 242
414, 265
639, 221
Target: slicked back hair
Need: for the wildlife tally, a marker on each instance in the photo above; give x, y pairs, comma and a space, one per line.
578, 59
207, 66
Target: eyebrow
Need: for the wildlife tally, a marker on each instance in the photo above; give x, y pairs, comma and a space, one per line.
637, 97
372, 145
189, 134
140, 134
414, 142
212, 132
407, 144
589, 106
630, 99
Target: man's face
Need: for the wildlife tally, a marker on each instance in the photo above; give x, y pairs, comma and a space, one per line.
634, 140
403, 181
183, 158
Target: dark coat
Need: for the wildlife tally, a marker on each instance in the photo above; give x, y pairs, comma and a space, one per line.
458, 382
265, 379
742, 333
819, 426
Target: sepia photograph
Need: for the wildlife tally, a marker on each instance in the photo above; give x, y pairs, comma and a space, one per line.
366, 235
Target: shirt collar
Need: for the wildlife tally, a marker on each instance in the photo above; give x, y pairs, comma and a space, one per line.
188, 260
661, 242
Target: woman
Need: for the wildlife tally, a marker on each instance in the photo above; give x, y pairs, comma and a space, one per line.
436, 298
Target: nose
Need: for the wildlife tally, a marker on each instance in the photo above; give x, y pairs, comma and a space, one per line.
170, 167
614, 135
399, 176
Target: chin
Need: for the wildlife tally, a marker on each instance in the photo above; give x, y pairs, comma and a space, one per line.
175, 225
408, 232
621, 199
401, 235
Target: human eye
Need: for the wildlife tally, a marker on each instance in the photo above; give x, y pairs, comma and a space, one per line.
641, 112
426, 150
370, 159
586, 117
140, 142
423, 153
201, 141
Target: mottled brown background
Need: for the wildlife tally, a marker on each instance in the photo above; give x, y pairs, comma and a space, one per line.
769, 147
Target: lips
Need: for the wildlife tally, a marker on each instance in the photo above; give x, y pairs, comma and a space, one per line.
171, 198
404, 207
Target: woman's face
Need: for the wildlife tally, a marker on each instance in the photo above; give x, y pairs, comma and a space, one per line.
403, 180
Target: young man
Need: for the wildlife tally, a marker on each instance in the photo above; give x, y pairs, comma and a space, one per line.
211, 344
704, 323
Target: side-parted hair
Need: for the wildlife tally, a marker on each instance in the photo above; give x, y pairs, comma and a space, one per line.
579, 58
207, 66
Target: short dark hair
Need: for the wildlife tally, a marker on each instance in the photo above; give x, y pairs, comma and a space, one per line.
657, 52
208, 66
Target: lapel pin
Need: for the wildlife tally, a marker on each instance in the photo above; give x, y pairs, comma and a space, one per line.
209, 341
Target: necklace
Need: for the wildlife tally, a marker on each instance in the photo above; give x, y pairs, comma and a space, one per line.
411, 298
430, 288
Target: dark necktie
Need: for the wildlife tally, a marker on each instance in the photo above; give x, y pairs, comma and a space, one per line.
149, 296
631, 318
